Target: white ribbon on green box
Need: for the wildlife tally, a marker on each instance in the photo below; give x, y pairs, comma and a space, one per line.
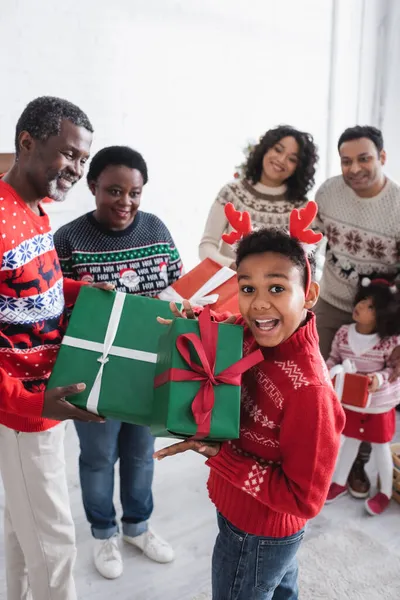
107, 349
202, 297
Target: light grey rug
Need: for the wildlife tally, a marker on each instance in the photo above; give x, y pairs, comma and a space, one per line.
345, 564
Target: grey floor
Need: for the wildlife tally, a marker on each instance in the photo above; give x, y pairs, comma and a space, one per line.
185, 517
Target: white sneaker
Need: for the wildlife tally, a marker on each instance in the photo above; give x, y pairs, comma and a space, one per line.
152, 546
107, 557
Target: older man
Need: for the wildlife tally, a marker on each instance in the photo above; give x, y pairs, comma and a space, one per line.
359, 213
53, 139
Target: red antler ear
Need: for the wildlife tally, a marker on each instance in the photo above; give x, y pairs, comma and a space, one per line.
299, 222
240, 222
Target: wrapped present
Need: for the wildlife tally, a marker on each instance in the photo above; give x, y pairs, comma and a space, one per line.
111, 346
350, 387
206, 284
198, 377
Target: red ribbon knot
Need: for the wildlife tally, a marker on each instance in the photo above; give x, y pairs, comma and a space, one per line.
206, 350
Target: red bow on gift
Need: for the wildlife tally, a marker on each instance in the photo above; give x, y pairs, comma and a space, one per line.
206, 348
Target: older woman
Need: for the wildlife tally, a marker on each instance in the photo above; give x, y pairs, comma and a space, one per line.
277, 177
120, 244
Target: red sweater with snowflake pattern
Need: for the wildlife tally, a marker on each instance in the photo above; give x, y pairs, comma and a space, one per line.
277, 475
33, 295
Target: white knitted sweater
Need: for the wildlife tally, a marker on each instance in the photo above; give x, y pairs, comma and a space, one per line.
363, 236
268, 207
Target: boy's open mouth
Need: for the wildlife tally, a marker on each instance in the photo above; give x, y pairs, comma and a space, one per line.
266, 324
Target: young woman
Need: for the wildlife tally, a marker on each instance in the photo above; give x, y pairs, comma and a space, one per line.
277, 177
120, 244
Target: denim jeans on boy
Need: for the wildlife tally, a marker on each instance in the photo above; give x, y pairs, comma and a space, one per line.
249, 567
102, 444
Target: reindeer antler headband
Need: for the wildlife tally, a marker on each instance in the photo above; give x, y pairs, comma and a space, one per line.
240, 222
299, 223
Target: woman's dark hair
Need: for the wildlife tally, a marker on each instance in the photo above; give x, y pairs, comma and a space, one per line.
118, 156
278, 241
302, 179
362, 131
386, 301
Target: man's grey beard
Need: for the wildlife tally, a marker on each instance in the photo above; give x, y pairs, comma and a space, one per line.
55, 193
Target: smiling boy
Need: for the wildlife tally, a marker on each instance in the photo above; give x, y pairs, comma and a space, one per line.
276, 476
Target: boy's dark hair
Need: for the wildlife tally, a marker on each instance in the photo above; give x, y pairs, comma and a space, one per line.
302, 179
278, 241
362, 131
387, 307
42, 118
119, 156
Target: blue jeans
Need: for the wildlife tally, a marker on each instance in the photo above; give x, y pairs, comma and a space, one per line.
102, 444
249, 567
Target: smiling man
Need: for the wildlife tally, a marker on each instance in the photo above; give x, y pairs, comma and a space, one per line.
359, 213
53, 139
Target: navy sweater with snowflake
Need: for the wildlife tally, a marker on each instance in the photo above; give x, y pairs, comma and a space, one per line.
141, 259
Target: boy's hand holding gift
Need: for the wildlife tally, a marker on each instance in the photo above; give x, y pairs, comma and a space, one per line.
200, 363
275, 477
207, 450
187, 312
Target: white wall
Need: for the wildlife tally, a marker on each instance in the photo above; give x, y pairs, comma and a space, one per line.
390, 86
365, 75
186, 83
352, 73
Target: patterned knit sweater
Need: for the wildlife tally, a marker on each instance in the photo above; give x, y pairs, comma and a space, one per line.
32, 311
277, 475
141, 259
363, 236
268, 207
370, 354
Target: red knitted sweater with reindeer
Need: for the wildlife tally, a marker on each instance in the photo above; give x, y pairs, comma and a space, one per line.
33, 297
276, 476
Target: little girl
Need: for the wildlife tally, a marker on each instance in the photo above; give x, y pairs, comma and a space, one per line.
368, 344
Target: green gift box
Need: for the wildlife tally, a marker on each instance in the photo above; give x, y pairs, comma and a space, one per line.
198, 376
111, 346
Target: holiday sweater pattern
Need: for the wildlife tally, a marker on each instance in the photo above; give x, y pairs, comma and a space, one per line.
265, 209
277, 475
363, 237
33, 295
141, 259
370, 354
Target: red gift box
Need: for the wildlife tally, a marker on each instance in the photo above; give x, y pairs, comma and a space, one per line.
207, 284
352, 389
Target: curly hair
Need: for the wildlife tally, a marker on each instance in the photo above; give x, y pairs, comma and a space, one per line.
277, 241
119, 156
42, 118
386, 302
302, 179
